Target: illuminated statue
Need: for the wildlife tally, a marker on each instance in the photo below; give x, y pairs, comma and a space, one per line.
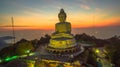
62, 47
62, 26
62, 37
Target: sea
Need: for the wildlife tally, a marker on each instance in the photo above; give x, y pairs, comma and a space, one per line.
100, 32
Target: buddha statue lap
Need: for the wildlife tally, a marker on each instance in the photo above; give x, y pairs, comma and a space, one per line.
63, 27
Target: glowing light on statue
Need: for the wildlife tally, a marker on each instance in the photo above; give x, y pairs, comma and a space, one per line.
62, 37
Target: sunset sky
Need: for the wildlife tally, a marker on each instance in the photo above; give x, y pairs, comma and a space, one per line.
43, 14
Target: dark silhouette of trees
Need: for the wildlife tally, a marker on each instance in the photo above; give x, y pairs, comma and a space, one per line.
7, 52
44, 40
113, 50
34, 42
84, 38
24, 47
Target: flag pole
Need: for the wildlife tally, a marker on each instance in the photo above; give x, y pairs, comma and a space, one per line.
13, 31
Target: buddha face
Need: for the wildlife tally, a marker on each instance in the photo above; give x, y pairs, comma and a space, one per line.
62, 16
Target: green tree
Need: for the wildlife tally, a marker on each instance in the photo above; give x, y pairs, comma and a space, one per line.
113, 50
7, 52
24, 48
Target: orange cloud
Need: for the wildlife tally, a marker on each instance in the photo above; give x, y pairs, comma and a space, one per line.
85, 6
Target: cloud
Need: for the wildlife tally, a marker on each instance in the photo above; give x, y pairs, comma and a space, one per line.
86, 1
98, 9
85, 6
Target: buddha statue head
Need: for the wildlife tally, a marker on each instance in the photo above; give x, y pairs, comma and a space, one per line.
62, 16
